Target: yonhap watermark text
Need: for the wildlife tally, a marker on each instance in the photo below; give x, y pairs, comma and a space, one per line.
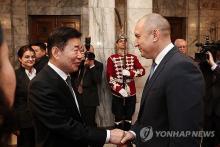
147, 133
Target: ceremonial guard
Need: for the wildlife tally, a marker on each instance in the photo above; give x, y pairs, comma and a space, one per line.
122, 68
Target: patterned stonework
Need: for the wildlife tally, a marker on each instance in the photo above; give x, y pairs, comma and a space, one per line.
210, 4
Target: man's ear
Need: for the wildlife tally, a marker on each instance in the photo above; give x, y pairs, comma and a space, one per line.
55, 51
156, 35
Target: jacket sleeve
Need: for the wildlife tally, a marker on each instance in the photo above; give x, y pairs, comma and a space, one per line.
184, 93
217, 71
96, 72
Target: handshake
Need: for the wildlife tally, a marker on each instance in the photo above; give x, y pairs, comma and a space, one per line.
120, 137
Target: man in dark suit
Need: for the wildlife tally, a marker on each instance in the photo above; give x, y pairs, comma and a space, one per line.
41, 57
86, 81
52, 100
172, 96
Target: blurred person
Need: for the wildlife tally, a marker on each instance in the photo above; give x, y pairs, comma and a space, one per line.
86, 83
167, 104
7, 89
87, 80
122, 68
56, 112
181, 45
5, 72
41, 55
24, 74
212, 99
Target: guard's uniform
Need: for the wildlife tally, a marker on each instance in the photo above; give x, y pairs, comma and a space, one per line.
123, 110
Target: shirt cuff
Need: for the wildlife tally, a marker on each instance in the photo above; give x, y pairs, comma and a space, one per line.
108, 136
214, 67
132, 132
92, 66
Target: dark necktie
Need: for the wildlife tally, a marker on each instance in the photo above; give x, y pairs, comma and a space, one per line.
68, 81
152, 69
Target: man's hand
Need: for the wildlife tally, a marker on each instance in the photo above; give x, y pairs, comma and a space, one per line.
116, 136
127, 137
126, 73
123, 92
210, 60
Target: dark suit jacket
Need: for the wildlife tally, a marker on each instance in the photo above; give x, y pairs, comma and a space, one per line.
171, 100
22, 113
92, 77
41, 63
56, 118
216, 92
212, 97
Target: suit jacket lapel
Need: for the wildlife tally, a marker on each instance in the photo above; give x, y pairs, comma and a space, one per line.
149, 83
63, 87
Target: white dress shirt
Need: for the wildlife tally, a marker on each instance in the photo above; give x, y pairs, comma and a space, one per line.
162, 54
31, 74
63, 75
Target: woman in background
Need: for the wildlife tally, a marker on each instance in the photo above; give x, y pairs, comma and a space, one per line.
24, 74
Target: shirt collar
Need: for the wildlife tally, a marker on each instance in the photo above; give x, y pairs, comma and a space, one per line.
163, 53
62, 74
31, 74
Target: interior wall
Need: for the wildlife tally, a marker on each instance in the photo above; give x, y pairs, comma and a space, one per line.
202, 16
14, 17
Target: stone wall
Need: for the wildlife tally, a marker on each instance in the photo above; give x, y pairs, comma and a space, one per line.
208, 18
14, 17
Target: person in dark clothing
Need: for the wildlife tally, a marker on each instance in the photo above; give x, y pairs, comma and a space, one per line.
55, 107
24, 74
41, 56
167, 104
86, 81
211, 72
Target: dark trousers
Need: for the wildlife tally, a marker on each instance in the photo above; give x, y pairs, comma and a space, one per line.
123, 109
26, 137
89, 116
212, 123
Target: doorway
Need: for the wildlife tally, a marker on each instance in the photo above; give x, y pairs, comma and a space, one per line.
40, 26
178, 27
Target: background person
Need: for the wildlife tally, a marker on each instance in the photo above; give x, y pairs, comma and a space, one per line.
86, 81
122, 68
41, 55
24, 74
181, 45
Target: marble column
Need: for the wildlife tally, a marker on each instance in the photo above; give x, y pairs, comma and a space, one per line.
135, 10
19, 25
102, 32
